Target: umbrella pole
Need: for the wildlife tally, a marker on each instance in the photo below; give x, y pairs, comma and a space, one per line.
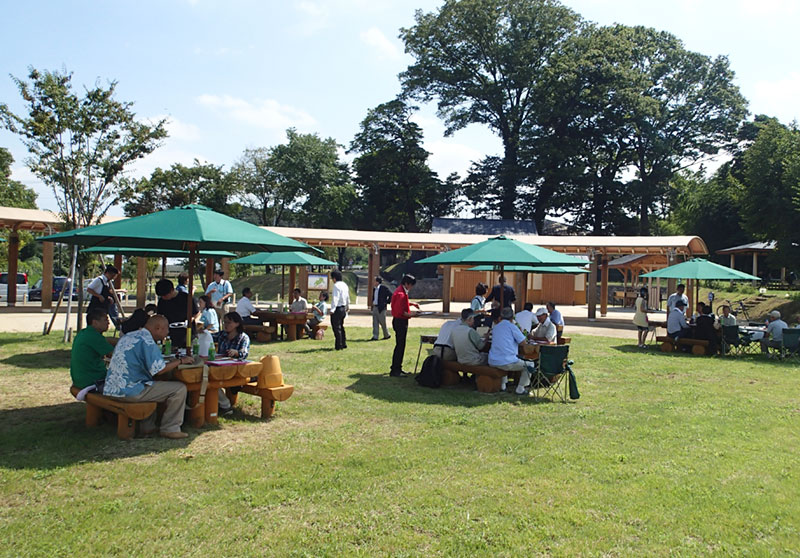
502, 287
283, 271
163, 267
189, 316
71, 282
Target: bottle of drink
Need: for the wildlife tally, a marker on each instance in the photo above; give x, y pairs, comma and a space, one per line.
211, 352
195, 346
167, 346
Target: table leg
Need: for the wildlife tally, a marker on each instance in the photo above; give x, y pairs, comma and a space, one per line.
419, 352
196, 412
291, 331
212, 405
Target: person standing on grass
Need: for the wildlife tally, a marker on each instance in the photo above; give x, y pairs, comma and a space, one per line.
507, 290
675, 297
130, 378
100, 290
86, 365
640, 318
220, 291
401, 313
381, 296
340, 305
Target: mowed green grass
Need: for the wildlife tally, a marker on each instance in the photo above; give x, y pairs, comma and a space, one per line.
663, 455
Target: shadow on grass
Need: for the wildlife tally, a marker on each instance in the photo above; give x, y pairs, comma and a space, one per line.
407, 390
53, 436
55, 358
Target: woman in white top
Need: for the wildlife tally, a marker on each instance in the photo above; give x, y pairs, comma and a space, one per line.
207, 324
640, 317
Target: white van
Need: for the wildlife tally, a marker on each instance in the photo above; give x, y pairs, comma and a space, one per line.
22, 287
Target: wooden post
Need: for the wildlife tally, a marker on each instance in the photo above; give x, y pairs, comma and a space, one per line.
672, 284
370, 276
163, 267
446, 286
303, 281
118, 265
226, 267
13, 263
733, 261
591, 295
690, 295
141, 282
604, 288
47, 275
292, 281
189, 316
519, 290
755, 265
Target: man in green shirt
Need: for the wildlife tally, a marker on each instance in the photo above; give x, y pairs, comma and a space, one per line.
86, 364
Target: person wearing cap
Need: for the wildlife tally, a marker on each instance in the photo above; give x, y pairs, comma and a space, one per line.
545, 332
467, 342
381, 296
100, 290
675, 297
504, 353
774, 334
676, 321
524, 318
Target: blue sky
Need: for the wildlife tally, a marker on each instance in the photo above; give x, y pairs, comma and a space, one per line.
235, 74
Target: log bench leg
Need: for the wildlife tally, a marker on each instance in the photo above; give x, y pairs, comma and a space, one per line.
233, 397
196, 412
126, 427
212, 405
94, 415
267, 407
450, 377
487, 384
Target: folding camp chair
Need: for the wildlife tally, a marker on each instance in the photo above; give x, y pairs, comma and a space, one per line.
552, 372
790, 344
732, 342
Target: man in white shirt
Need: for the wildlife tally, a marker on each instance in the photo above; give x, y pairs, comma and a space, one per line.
245, 308
545, 331
466, 341
340, 306
676, 321
100, 290
675, 297
443, 346
775, 330
504, 353
299, 304
524, 319
220, 291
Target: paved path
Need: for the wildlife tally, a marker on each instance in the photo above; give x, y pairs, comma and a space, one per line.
618, 322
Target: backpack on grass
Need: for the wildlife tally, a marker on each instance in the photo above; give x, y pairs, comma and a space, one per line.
431, 373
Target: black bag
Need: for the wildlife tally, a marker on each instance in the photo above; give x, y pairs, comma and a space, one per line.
431, 373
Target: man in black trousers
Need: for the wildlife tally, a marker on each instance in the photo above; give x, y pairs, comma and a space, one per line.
401, 312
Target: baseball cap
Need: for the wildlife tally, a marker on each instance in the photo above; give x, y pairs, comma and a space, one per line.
540, 311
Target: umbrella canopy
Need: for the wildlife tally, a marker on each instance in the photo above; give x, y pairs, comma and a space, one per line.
156, 253
532, 269
502, 251
182, 228
698, 268
283, 258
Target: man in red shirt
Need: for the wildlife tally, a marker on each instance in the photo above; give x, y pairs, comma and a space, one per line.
401, 312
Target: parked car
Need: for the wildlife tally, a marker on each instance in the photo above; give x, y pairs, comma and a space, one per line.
22, 286
58, 283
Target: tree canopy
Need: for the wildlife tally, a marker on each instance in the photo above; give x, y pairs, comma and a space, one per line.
12, 192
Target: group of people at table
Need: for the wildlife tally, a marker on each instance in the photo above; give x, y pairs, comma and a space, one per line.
703, 324
459, 340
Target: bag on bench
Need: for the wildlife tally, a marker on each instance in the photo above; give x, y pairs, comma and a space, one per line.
431, 373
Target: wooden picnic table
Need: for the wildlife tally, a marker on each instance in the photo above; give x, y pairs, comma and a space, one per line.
288, 319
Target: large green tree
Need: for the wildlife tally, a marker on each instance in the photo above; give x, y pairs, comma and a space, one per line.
79, 145
202, 183
398, 190
12, 192
484, 62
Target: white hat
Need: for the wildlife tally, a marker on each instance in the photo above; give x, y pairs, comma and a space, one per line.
541, 311
775, 315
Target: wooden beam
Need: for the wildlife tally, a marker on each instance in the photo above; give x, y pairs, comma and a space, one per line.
118, 265
591, 295
446, 285
604, 288
47, 275
13, 263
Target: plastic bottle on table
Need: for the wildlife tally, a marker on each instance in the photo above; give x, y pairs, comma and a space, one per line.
167, 346
195, 346
211, 352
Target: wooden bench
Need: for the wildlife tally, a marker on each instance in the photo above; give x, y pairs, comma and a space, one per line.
269, 386
669, 345
127, 413
318, 327
260, 333
487, 378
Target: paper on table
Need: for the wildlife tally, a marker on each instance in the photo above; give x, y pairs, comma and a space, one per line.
226, 362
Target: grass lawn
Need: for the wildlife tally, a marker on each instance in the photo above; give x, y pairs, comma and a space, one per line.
663, 455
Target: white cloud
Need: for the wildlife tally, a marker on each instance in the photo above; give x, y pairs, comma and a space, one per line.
777, 98
449, 156
316, 16
176, 129
266, 113
383, 47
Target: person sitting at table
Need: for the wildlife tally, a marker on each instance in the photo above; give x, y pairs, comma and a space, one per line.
245, 308
698, 311
150, 309
134, 364
468, 345
319, 311
524, 318
726, 318
675, 297
554, 315
676, 321
443, 345
504, 353
299, 305
233, 343
86, 365
773, 337
704, 329
183, 281
477, 304
508, 293
545, 332
173, 305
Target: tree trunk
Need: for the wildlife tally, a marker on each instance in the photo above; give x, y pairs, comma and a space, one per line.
509, 176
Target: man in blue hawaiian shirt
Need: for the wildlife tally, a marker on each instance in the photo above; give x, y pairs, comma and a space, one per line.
135, 362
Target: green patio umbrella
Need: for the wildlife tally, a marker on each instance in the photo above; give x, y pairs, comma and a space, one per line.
501, 251
533, 269
190, 228
698, 268
283, 258
156, 253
